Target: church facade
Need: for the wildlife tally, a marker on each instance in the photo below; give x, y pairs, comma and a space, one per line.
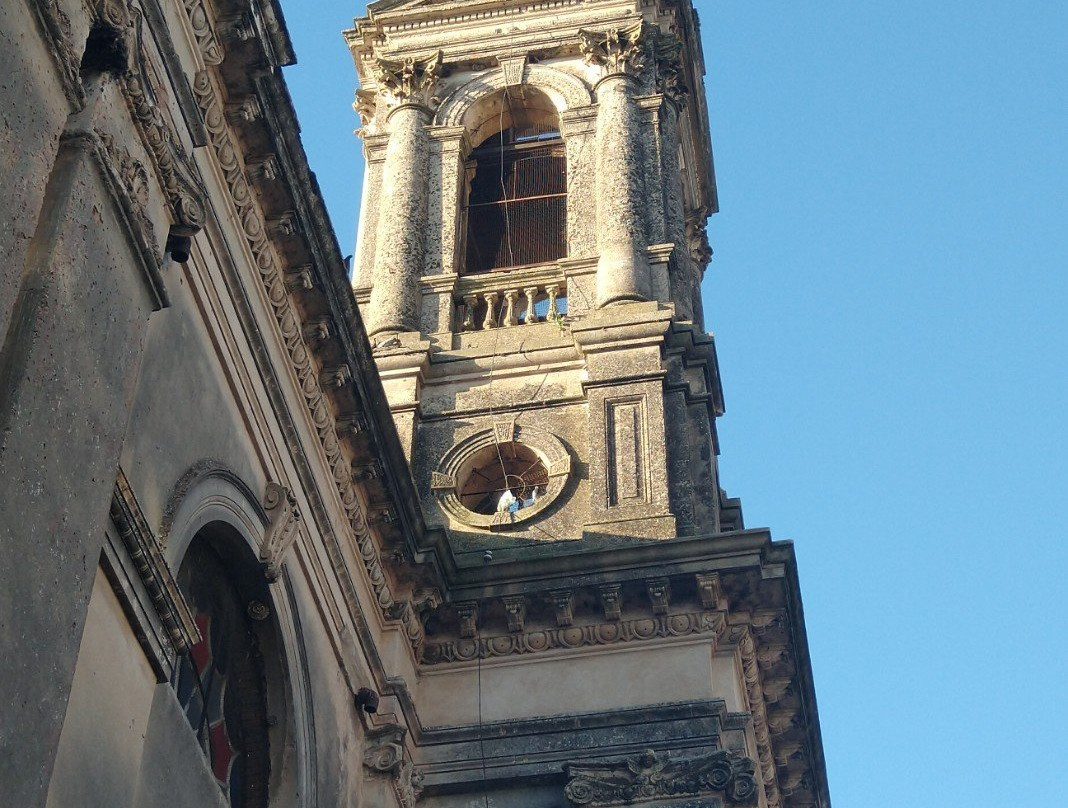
448, 532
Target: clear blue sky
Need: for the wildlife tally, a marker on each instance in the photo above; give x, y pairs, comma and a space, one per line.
889, 294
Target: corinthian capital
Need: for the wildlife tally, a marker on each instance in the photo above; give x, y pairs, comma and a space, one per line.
618, 50
408, 81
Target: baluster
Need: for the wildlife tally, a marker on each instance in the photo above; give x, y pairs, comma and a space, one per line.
470, 304
532, 294
552, 291
490, 320
510, 297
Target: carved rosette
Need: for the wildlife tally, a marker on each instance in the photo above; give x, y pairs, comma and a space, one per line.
653, 776
408, 81
619, 50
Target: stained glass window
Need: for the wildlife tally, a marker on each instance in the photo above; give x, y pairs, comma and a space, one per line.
220, 683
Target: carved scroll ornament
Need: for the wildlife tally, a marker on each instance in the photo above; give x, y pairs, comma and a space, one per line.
281, 507
653, 775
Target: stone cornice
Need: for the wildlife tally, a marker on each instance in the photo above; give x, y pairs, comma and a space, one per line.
573, 637
151, 565
307, 373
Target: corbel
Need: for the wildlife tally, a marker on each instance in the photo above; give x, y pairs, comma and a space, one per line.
611, 601
366, 470
247, 110
265, 167
709, 590
467, 612
335, 377
515, 606
659, 590
300, 277
563, 603
316, 329
283, 225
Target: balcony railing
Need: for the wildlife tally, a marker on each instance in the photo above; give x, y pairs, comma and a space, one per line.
510, 307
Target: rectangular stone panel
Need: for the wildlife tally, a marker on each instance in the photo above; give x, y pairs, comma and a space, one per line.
626, 451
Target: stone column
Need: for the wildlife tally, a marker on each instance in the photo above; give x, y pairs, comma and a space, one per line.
622, 269
400, 243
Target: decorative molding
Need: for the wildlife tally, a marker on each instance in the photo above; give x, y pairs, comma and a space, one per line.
151, 566
271, 274
742, 635
285, 519
211, 50
384, 748
654, 775
647, 628
567, 92
182, 187
205, 467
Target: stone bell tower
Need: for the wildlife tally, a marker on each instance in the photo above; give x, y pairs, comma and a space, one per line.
531, 248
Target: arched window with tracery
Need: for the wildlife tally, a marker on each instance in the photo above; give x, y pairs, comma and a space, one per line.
221, 683
516, 210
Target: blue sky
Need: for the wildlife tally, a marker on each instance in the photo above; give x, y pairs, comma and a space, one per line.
889, 293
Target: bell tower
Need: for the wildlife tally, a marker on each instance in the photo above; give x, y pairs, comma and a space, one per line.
530, 254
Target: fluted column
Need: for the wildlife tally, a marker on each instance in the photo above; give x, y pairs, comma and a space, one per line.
400, 243
622, 270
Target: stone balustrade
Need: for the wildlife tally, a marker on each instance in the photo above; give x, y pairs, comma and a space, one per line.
511, 306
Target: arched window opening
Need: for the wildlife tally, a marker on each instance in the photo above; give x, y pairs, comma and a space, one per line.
221, 683
517, 203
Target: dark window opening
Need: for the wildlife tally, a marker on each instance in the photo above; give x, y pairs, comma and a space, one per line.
517, 206
220, 683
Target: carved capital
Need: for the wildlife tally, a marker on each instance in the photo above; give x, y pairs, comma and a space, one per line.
408, 81
652, 776
618, 50
281, 507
